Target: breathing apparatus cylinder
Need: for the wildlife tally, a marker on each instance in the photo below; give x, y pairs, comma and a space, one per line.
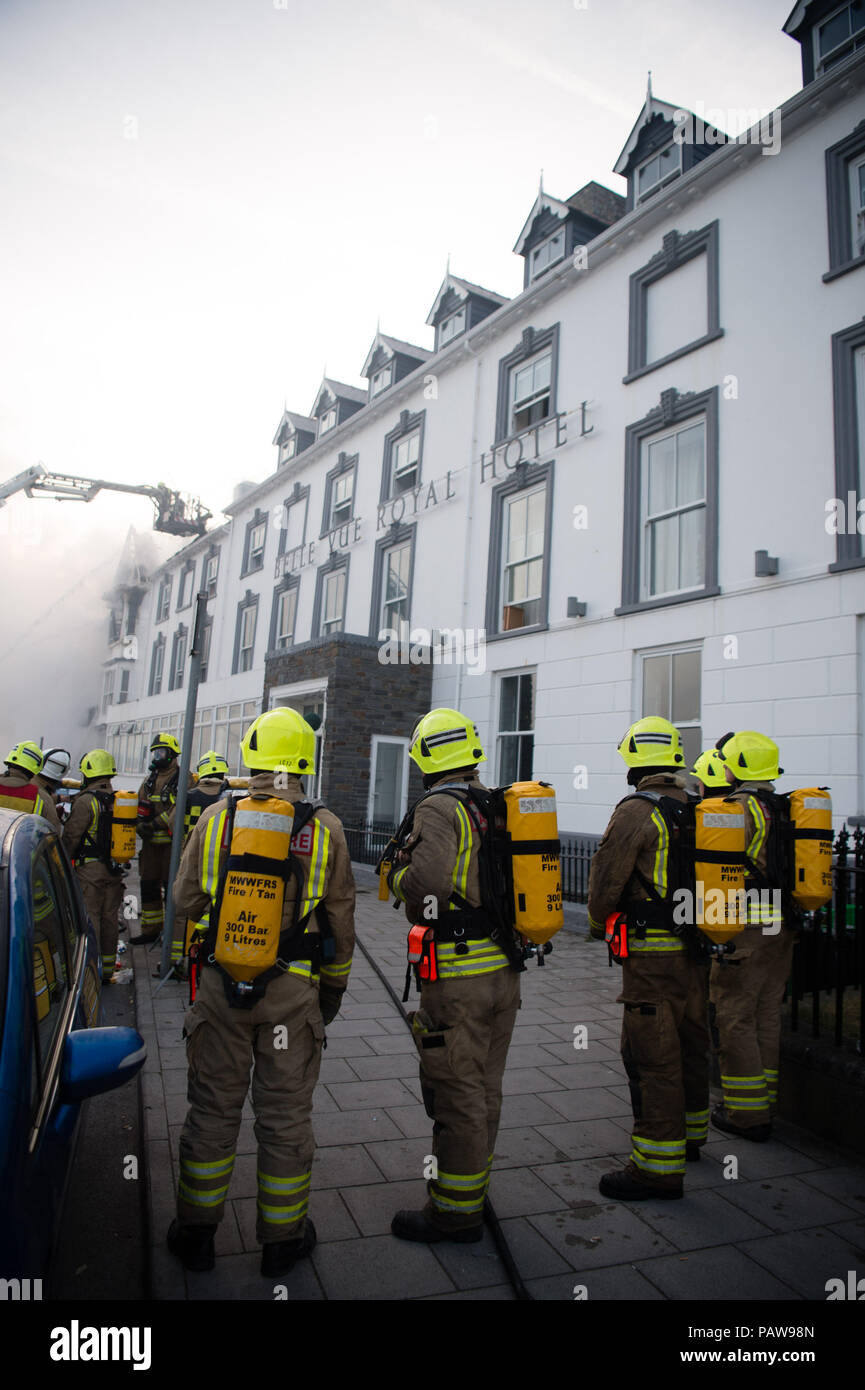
250, 913
719, 867
124, 816
533, 836
811, 811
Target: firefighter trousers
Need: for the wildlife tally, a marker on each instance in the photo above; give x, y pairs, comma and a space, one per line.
665, 1050
462, 1031
746, 989
102, 892
281, 1038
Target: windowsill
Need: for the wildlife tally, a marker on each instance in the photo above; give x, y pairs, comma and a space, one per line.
842, 269
539, 274
253, 569
517, 632
856, 562
641, 198
688, 597
672, 356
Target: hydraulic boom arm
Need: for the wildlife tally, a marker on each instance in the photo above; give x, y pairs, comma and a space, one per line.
176, 513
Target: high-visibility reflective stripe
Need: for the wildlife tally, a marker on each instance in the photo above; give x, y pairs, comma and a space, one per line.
732, 1103
655, 1165
696, 1124
460, 874
284, 1216
466, 1180
759, 835
660, 1146
456, 1204
317, 867
660, 866
268, 1183
336, 969
263, 820
666, 946
477, 962
203, 1170
213, 833
397, 881
743, 1082
210, 1197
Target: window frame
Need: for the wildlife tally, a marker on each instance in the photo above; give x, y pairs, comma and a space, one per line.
289, 584
154, 685
406, 426
849, 549
674, 409
532, 344
676, 251
547, 241
325, 428
179, 644
345, 465
374, 390
206, 643
249, 601
188, 570
259, 518
107, 688
661, 182
503, 737
397, 535
671, 650
212, 554
163, 599
526, 478
298, 497
819, 69
338, 561
839, 159
461, 312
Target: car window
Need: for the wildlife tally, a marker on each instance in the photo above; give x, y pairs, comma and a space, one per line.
50, 964
64, 893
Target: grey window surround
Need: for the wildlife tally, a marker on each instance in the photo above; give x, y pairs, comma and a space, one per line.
257, 519
848, 549
674, 409
337, 561
290, 581
163, 611
838, 157
188, 568
181, 635
211, 551
299, 495
159, 643
249, 600
531, 343
406, 425
526, 475
346, 463
396, 535
676, 251
206, 640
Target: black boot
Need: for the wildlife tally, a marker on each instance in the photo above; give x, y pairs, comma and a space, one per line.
192, 1244
692, 1152
144, 938
415, 1225
758, 1134
625, 1186
280, 1256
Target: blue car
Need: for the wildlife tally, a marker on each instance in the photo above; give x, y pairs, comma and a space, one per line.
53, 1054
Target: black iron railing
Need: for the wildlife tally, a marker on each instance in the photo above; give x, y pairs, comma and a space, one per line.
366, 840
829, 960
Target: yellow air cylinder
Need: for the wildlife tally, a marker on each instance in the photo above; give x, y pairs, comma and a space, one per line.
250, 915
123, 826
811, 811
533, 834
720, 873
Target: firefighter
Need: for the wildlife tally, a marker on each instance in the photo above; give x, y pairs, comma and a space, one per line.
665, 1040
277, 1027
87, 837
156, 797
463, 1026
710, 774
19, 790
212, 785
747, 984
55, 766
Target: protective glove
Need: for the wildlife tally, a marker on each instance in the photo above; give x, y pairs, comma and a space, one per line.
329, 1000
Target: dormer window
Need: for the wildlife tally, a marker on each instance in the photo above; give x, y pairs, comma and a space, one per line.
449, 328
382, 379
549, 251
289, 449
656, 170
530, 392
327, 421
839, 36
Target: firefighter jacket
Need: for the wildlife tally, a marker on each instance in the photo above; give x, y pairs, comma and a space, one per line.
636, 840
443, 850
759, 826
18, 792
322, 853
159, 790
81, 831
206, 791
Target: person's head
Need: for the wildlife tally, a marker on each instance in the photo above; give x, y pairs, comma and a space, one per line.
212, 764
280, 740
748, 756
651, 747
24, 757
444, 741
164, 749
709, 769
96, 764
55, 766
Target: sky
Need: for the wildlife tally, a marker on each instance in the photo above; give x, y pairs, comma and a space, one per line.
205, 203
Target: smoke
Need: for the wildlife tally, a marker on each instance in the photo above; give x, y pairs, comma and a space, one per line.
58, 566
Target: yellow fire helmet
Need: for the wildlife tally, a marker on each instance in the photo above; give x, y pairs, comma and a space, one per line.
652, 742
709, 767
280, 740
98, 763
751, 757
444, 739
165, 740
27, 756
212, 765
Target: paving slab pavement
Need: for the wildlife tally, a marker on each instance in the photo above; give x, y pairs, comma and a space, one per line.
776, 1223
